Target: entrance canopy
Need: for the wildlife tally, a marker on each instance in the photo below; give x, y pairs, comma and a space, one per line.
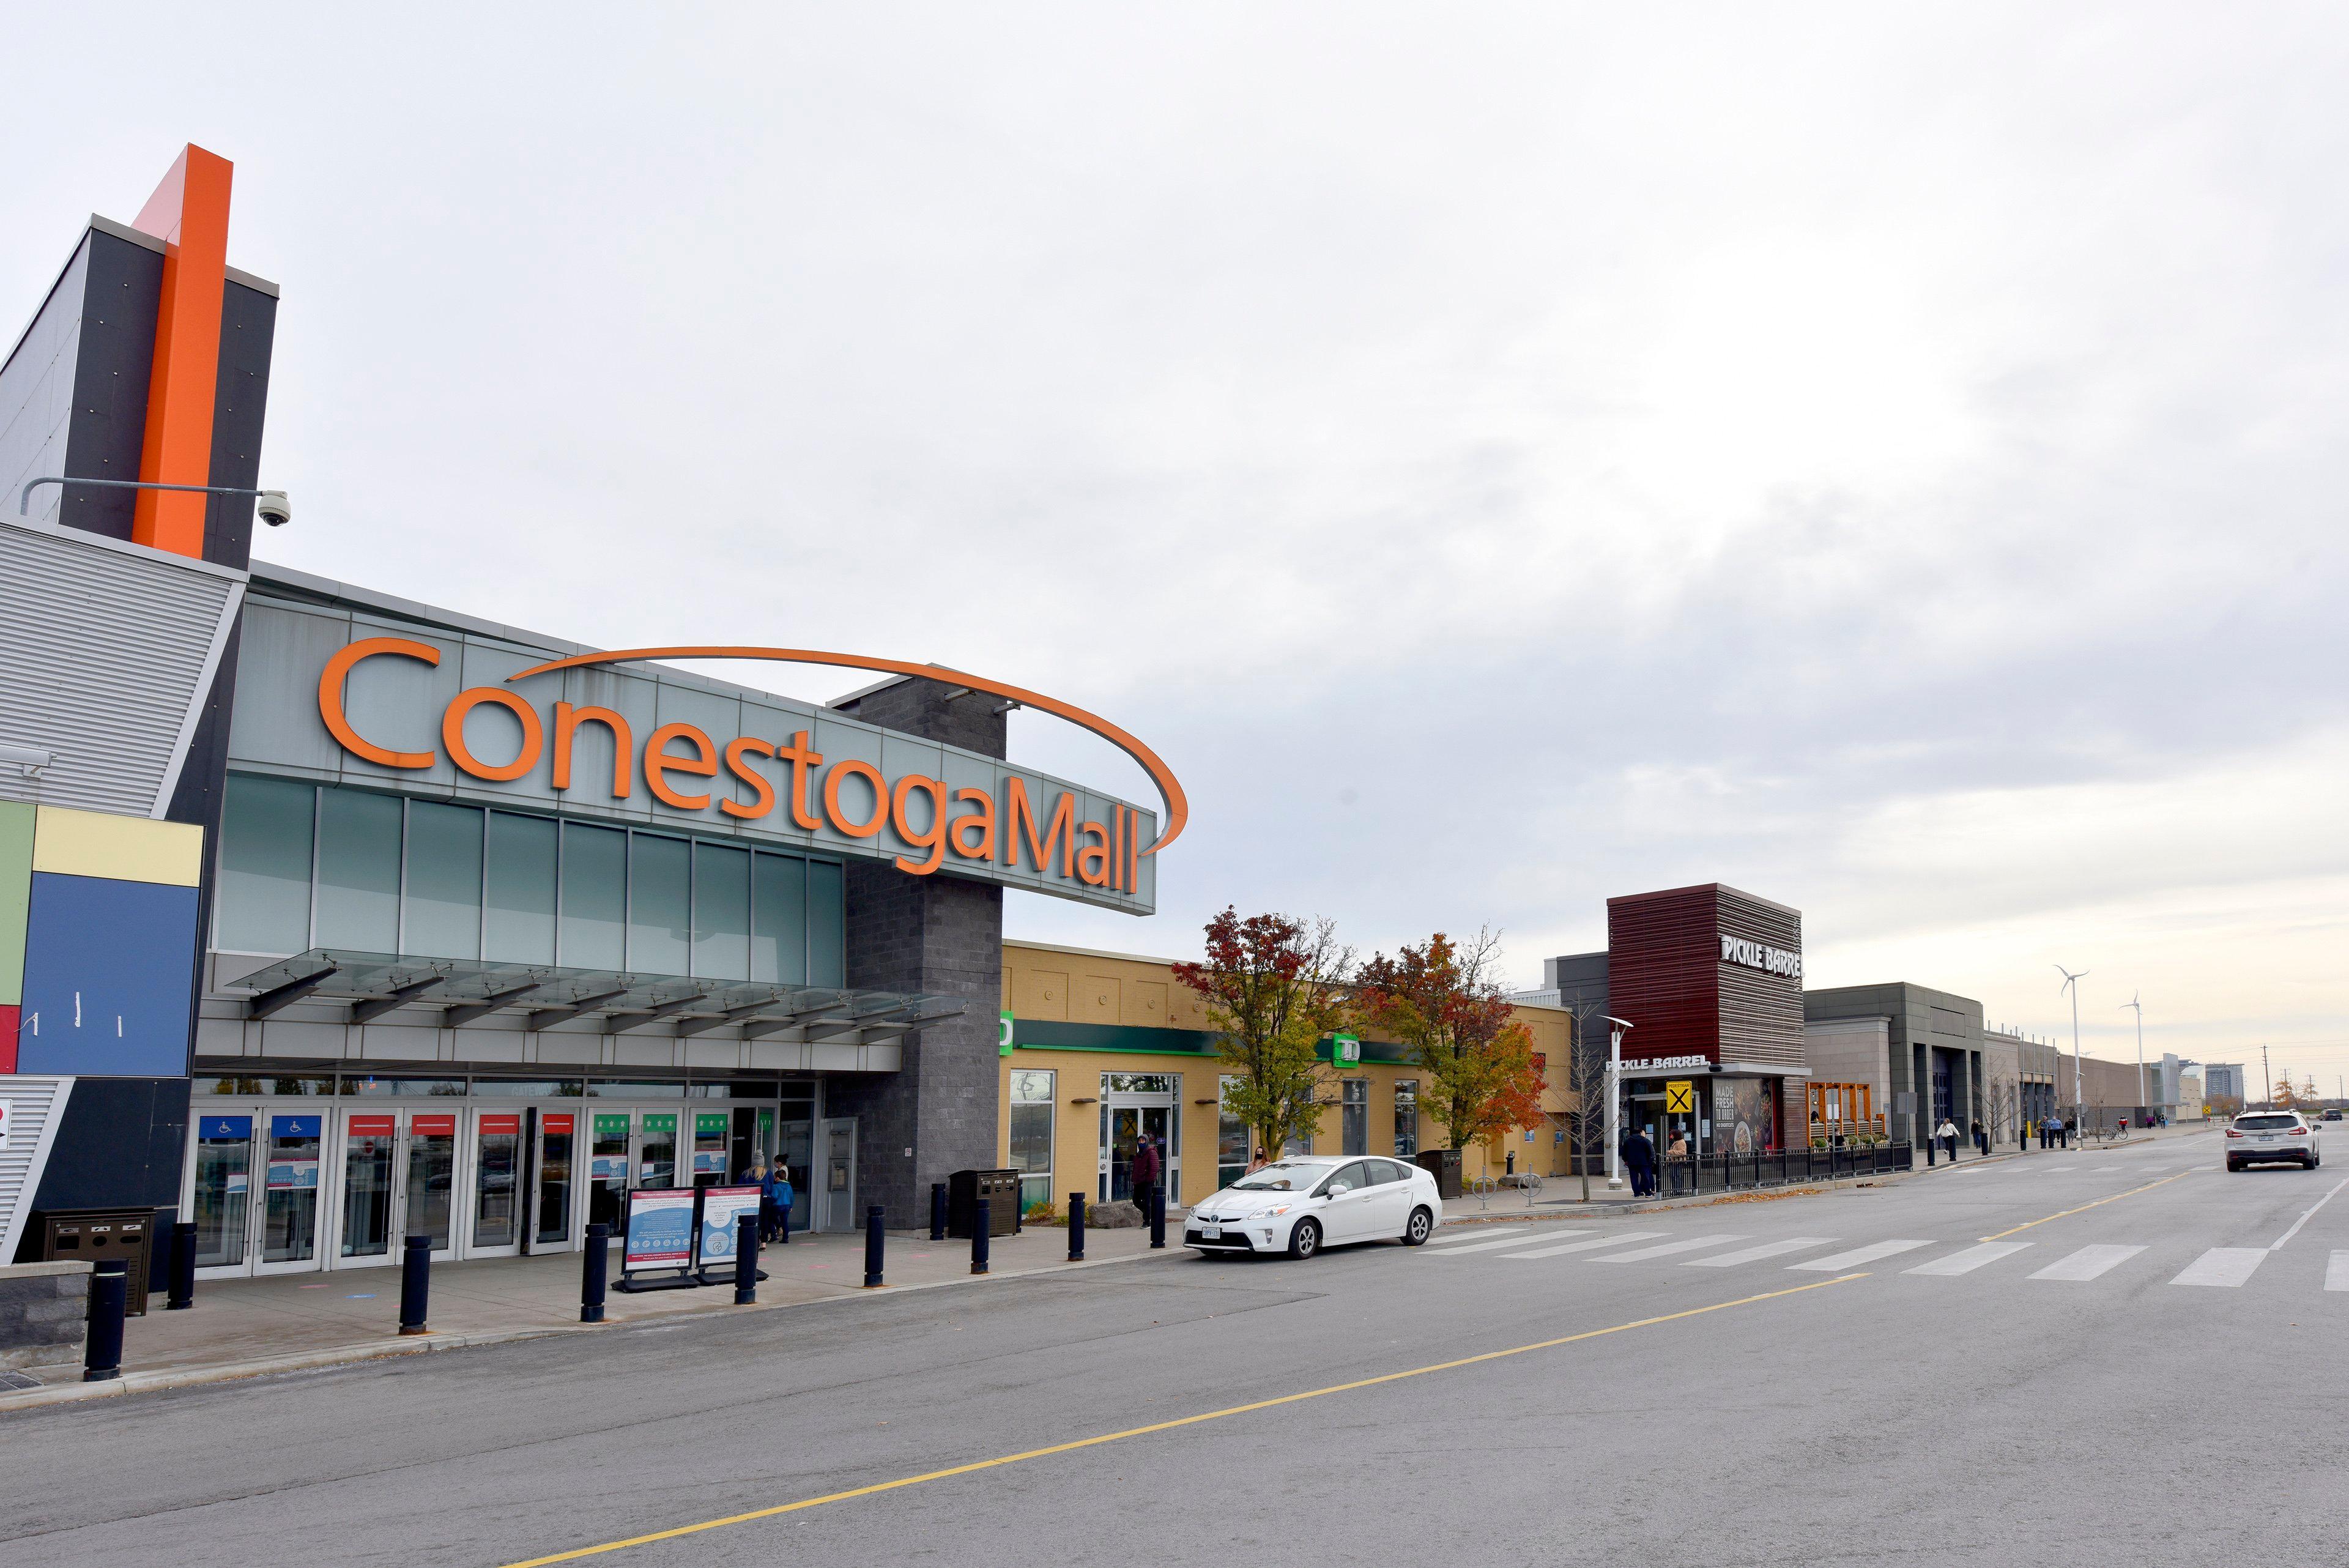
467, 989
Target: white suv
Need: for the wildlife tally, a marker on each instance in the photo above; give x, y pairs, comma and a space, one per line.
2257, 1136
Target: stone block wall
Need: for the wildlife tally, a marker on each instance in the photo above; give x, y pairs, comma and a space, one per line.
43, 1312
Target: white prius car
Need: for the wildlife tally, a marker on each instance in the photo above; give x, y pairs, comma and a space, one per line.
1306, 1203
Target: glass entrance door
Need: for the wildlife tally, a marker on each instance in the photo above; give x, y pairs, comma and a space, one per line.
607, 1171
432, 1180
221, 1190
1134, 1107
496, 1218
710, 1147
549, 1209
289, 1208
365, 1208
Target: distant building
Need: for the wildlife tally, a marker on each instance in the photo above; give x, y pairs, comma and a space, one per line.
2222, 1080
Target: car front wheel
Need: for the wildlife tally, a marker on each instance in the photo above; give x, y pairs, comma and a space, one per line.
1306, 1240
1420, 1228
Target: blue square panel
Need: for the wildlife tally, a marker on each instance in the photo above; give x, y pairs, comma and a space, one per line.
109, 969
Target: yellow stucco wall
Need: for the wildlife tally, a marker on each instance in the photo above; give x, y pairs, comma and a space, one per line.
1067, 986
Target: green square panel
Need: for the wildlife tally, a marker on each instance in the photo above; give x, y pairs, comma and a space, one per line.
16, 895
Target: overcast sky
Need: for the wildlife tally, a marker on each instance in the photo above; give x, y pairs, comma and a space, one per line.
1887, 459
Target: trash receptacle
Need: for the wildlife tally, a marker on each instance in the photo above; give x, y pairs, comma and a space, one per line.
1444, 1164
99, 1235
1001, 1190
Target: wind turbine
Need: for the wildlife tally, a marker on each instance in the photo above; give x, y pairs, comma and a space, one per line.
2072, 983
2138, 1007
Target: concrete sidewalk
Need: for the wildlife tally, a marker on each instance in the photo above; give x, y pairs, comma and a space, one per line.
240, 1328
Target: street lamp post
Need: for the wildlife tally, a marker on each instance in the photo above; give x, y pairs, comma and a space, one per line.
2139, 1009
1615, 1102
2079, 1094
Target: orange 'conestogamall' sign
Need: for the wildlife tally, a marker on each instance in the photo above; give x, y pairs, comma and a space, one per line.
852, 797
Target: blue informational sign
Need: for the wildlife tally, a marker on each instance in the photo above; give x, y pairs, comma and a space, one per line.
660, 1229
722, 1207
294, 1127
224, 1126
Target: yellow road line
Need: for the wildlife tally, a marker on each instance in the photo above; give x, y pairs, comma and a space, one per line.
2099, 1203
707, 1524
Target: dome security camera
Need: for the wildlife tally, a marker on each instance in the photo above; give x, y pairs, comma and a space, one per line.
274, 509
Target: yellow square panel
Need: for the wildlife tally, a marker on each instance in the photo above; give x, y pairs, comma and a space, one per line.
121, 848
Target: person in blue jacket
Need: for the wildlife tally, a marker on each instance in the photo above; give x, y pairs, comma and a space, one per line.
775, 1209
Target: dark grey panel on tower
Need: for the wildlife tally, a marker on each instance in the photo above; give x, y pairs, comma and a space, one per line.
937, 934
248, 336
117, 362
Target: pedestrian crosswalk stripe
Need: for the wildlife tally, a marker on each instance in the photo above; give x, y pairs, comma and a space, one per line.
2336, 1272
1859, 1255
2222, 1266
1522, 1238
2087, 1263
1686, 1244
2051, 1169
2105, 1169
1565, 1247
1755, 1254
1973, 1258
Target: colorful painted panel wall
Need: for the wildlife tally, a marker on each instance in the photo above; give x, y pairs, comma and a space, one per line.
97, 942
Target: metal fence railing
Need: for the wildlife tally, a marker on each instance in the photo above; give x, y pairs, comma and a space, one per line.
1737, 1172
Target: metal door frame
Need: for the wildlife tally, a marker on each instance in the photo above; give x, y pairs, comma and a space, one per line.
824, 1125
328, 1189
470, 1157
396, 1211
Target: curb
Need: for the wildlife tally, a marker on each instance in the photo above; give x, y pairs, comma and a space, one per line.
131, 1383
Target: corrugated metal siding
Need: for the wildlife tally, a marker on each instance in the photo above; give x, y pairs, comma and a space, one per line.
102, 652
35, 1107
1665, 972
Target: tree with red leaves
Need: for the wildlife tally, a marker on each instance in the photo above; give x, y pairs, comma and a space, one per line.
1273, 986
1443, 1000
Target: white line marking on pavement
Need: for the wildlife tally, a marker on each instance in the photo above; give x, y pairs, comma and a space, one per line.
1585, 1246
2051, 1169
1517, 1240
2222, 1266
2087, 1263
1969, 1259
1686, 1244
2336, 1272
1755, 1254
2103, 1169
2277, 1245
1859, 1255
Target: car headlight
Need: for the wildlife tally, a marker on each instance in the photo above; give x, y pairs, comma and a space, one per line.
1283, 1208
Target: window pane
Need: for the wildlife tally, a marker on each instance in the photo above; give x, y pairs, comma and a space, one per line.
1031, 1138
1033, 1085
779, 920
359, 870
521, 925
660, 877
595, 896
444, 880
721, 911
265, 889
827, 919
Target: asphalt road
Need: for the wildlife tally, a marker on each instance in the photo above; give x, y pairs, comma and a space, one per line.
2066, 1392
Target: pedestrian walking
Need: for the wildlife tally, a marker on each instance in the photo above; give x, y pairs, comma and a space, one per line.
1257, 1162
1981, 1138
1145, 1172
1641, 1156
774, 1210
1947, 1134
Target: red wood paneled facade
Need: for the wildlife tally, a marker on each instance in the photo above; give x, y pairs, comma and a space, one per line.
1666, 975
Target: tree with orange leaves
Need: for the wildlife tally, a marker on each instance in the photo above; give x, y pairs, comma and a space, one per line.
1274, 985
1443, 1000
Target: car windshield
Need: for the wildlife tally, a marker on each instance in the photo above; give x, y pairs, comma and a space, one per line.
1284, 1176
2267, 1122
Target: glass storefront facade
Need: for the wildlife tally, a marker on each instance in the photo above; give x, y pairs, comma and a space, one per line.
305, 866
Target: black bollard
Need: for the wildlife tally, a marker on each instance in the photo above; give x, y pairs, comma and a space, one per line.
979, 1227
415, 1284
938, 1210
1158, 1216
110, 1293
746, 1260
1076, 1227
183, 1267
872, 1247
594, 1272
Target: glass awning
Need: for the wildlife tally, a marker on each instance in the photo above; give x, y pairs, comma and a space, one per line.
467, 989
